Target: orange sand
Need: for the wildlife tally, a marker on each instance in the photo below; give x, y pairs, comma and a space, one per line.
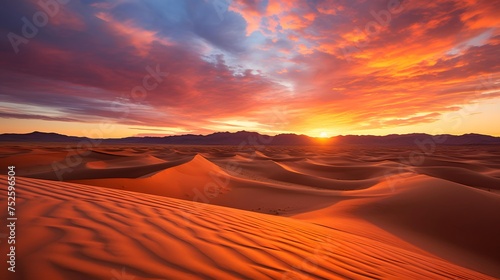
279, 213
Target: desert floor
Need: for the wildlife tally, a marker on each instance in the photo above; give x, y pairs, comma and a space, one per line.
253, 212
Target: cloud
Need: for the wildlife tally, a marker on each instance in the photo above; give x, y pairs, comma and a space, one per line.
35, 117
333, 63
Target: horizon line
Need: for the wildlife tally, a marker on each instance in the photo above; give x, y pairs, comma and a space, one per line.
264, 134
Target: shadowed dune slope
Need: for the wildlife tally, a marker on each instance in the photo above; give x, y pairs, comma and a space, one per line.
444, 218
132, 161
85, 232
70, 166
203, 181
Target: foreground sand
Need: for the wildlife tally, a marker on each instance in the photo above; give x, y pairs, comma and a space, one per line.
349, 212
71, 231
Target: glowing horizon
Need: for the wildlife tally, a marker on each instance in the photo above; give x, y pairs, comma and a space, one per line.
196, 67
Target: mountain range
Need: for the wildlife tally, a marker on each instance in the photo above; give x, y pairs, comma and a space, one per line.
256, 139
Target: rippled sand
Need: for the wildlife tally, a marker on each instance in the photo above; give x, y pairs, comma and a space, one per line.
235, 212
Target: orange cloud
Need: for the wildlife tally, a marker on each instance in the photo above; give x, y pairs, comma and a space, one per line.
321, 61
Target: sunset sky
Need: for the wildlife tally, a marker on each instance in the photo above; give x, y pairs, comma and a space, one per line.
317, 67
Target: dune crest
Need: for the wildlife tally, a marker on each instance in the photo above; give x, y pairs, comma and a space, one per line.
177, 181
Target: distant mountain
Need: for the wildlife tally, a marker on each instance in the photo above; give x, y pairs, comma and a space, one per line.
37, 136
223, 138
256, 139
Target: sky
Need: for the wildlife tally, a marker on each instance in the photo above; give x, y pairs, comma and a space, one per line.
317, 67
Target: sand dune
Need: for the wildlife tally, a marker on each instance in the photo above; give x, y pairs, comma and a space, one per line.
174, 182
98, 163
134, 161
203, 181
449, 220
342, 172
88, 232
373, 199
462, 176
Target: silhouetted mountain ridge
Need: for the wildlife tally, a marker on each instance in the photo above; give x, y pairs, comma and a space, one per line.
257, 139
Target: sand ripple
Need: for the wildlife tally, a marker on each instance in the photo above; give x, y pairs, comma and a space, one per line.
71, 231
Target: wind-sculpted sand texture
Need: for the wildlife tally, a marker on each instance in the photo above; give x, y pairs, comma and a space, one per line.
71, 231
384, 212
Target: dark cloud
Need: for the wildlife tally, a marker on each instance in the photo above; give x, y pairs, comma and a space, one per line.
36, 117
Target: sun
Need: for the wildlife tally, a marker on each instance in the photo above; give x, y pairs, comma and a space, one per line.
323, 134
